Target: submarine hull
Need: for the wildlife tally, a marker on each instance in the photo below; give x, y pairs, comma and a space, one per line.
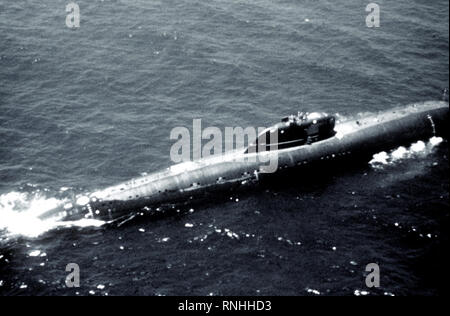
354, 139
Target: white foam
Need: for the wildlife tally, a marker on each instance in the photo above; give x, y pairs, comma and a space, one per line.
434, 141
381, 158
399, 153
19, 215
313, 291
34, 253
419, 148
82, 200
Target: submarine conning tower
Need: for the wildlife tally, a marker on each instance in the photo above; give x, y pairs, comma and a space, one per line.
295, 130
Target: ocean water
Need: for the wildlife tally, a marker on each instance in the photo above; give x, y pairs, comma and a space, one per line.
85, 108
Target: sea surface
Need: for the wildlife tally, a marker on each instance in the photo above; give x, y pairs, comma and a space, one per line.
82, 109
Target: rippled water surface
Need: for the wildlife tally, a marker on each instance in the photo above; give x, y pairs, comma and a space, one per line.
87, 108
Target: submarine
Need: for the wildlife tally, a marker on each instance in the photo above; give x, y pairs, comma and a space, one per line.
302, 140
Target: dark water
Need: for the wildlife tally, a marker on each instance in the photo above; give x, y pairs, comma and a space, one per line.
83, 109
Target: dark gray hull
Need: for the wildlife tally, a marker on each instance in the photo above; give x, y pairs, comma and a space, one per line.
355, 139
